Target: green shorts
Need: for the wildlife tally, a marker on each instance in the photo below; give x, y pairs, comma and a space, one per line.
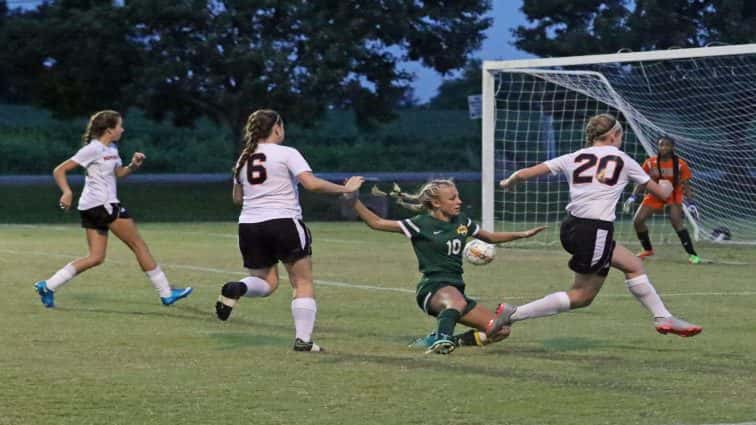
428, 287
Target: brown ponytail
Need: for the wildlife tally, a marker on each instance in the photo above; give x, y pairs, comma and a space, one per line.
259, 126
423, 199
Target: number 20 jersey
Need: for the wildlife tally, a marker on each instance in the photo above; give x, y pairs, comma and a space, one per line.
270, 185
597, 176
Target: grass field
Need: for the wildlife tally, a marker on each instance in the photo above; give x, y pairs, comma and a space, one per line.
111, 354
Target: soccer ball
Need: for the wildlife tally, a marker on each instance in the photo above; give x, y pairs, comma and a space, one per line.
478, 252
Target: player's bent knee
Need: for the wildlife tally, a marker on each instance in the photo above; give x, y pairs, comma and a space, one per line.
460, 306
635, 267
582, 299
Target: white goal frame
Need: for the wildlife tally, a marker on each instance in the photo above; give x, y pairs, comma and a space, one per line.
489, 181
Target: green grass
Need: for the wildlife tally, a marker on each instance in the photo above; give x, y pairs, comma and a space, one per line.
111, 354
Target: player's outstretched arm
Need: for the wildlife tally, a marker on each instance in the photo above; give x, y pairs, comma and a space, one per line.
524, 174
136, 161
500, 237
373, 220
316, 184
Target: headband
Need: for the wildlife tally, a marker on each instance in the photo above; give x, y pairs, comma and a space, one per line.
616, 126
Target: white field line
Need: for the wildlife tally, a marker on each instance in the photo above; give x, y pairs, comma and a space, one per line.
211, 270
365, 287
506, 249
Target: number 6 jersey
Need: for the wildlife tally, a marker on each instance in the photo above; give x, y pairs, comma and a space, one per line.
597, 176
269, 182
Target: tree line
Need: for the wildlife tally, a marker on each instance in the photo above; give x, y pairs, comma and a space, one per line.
184, 61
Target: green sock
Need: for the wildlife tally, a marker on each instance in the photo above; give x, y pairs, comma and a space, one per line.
447, 319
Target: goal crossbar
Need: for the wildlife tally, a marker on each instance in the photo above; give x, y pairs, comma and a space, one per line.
553, 70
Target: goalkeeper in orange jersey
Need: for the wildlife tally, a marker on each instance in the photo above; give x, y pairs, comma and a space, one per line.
668, 166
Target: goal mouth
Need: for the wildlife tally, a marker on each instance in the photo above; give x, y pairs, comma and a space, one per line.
535, 110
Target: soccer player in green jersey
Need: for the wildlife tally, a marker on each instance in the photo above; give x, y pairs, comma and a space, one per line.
438, 236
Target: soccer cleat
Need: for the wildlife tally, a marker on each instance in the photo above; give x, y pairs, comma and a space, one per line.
47, 296
300, 345
671, 324
223, 307
441, 344
176, 294
645, 253
694, 259
503, 318
423, 341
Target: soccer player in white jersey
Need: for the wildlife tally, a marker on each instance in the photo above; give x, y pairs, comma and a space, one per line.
100, 209
597, 176
270, 224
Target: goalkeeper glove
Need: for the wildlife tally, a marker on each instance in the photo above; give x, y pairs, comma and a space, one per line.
627, 207
692, 209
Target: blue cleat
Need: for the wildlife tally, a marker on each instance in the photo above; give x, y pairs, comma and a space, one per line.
424, 341
442, 344
47, 296
176, 294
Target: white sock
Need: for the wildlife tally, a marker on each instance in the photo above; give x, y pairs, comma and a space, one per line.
61, 277
644, 292
303, 311
551, 304
256, 287
159, 281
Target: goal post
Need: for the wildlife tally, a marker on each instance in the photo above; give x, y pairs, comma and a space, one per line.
704, 98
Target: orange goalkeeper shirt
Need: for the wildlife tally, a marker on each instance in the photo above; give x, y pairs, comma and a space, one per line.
667, 173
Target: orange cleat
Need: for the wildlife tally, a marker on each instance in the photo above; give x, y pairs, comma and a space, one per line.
645, 253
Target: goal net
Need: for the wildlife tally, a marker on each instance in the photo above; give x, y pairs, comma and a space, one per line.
704, 98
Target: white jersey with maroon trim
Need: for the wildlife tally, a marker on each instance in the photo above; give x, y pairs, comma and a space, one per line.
269, 183
597, 177
100, 161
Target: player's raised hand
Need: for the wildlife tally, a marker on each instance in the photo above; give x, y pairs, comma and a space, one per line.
354, 183
510, 182
137, 159
534, 231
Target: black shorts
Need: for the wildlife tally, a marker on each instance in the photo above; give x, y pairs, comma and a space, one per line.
266, 243
99, 219
591, 243
427, 288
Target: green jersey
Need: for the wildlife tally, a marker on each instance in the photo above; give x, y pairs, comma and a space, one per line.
438, 245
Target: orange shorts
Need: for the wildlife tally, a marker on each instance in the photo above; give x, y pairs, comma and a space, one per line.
653, 202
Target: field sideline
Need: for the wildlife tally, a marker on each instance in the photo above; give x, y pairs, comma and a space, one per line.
111, 354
